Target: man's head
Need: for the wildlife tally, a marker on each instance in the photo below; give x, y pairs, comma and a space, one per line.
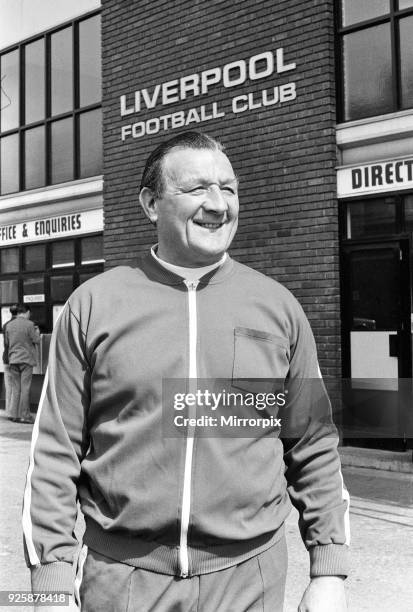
13, 310
189, 190
23, 310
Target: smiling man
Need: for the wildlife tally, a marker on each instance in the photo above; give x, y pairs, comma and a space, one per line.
182, 523
195, 207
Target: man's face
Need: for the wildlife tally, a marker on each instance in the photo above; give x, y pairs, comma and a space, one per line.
197, 213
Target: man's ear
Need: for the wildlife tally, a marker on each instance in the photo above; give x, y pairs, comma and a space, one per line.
148, 202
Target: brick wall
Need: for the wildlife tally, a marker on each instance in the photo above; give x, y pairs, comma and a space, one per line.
284, 154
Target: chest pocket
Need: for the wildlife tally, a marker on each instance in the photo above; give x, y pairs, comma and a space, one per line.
258, 355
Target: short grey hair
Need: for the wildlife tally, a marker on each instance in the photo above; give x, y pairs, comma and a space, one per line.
152, 176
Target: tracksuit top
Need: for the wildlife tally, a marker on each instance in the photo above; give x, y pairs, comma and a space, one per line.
182, 505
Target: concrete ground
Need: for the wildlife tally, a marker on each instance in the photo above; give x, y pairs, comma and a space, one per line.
381, 520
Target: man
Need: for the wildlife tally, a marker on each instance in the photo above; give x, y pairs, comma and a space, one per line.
7, 383
178, 523
21, 338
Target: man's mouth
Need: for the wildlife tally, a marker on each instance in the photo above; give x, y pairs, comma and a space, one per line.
209, 225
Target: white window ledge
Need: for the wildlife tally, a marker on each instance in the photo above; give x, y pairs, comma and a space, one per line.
375, 129
52, 193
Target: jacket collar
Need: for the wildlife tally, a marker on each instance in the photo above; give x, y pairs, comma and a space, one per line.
155, 271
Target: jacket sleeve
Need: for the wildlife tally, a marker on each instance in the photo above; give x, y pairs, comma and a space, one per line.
59, 443
313, 469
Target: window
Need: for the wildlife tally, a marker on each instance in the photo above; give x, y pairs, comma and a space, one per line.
33, 286
9, 75
63, 254
34, 85
34, 257
355, 11
51, 133
9, 174
62, 150
406, 59
92, 250
34, 158
8, 291
370, 217
408, 213
89, 58
376, 57
61, 71
60, 288
90, 135
44, 274
9, 260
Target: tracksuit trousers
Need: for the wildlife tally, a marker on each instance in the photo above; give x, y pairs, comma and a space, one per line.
256, 585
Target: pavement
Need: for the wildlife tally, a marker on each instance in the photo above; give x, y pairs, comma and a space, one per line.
377, 459
381, 515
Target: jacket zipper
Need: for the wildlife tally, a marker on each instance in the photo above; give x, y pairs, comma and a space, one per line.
186, 492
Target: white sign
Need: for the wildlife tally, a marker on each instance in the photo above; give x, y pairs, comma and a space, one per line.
35, 297
380, 177
52, 227
233, 74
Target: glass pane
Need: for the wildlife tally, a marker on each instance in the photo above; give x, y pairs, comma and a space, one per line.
408, 213
61, 287
63, 253
355, 11
404, 4
8, 291
372, 217
62, 71
86, 276
375, 289
38, 316
368, 76
57, 309
91, 143
9, 102
35, 257
9, 163
34, 78
406, 57
9, 260
62, 151
5, 315
89, 61
92, 249
34, 156
34, 287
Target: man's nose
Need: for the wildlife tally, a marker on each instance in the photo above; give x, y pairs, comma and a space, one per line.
215, 200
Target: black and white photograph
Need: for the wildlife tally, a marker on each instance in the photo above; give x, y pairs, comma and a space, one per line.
206, 305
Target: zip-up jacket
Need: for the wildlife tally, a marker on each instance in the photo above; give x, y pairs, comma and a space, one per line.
182, 505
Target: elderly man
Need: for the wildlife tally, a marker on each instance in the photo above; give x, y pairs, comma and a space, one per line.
181, 523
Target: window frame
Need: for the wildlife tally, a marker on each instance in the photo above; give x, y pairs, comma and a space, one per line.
49, 119
75, 270
401, 230
393, 18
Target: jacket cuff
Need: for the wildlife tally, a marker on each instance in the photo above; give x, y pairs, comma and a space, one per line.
55, 577
329, 560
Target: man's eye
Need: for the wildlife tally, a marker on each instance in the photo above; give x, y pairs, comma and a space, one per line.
198, 189
228, 189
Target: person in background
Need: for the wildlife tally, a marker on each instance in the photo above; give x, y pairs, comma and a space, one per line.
21, 338
7, 384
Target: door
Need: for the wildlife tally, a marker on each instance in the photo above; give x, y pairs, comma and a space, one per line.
376, 335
